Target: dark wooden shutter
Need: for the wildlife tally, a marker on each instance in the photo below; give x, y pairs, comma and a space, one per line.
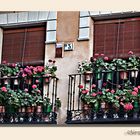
25, 44
115, 39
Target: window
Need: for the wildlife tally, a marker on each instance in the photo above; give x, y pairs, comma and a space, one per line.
26, 45
115, 39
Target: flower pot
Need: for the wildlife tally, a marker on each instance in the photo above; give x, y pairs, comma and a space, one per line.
28, 81
87, 75
16, 82
123, 75
6, 80
134, 74
2, 109
30, 109
47, 80
22, 109
39, 109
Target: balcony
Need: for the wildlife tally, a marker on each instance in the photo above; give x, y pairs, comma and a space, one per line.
28, 99
106, 97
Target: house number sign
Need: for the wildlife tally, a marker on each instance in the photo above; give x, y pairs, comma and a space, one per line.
68, 46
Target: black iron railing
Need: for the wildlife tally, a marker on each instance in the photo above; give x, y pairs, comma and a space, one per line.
79, 111
30, 113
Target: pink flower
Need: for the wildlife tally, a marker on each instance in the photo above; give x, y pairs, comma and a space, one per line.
128, 106
96, 54
81, 86
134, 93
112, 91
136, 89
117, 97
99, 92
93, 86
4, 89
102, 54
26, 90
94, 59
121, 103
106, 58
13, 65
104, 84
38, 91
24, 75
107, 90
34, 86
93, 94
4, 62
130, 52
84, 91
37, 81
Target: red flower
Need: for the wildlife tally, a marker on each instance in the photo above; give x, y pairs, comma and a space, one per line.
136, 89
37, 81
93, 94
112, 91
106, 58
81, 86
4, 89
128, 106
93, 86
130, 52
134, 93
84, 91
34, 86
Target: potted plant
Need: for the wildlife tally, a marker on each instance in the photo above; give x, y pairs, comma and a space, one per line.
85, 67
47, 108
133, 64
49, 70
121, 65
3, 91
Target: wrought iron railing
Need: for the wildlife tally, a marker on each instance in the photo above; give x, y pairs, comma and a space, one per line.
79, 111
30, 114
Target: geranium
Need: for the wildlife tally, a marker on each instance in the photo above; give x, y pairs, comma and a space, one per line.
128, 106
134, 93
135, 89
4, 89
106, 58
130, 52
112, 91
34, 86
81, 86
93, 94
93, 86
26, 90
85, 91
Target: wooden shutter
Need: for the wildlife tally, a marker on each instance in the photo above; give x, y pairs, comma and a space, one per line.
25, 44
115, 39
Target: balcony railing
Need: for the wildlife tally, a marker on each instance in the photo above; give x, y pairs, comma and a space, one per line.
94, 87
29, 113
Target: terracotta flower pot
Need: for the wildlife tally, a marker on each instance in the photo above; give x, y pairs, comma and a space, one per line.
2, 109
87, 76
123, 75
39, 109
30, 109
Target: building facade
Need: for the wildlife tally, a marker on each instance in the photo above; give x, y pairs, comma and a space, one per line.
68, 37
